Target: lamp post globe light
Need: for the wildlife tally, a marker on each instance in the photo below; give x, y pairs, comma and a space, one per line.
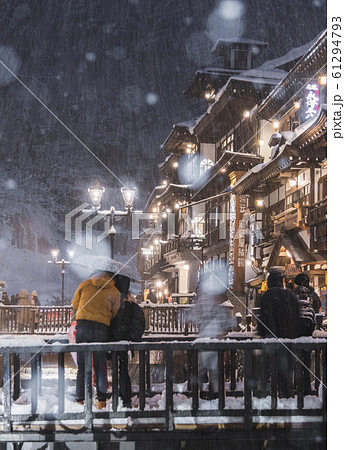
96, 193
63, 263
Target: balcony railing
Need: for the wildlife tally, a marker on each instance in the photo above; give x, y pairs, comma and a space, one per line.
38, 319
317, 213
241, 402
169, 319
289, 219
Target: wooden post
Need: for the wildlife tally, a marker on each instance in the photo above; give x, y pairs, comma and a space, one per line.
88, 391
169, 388
34, 384
142, 380
16, 377
61, 382
115, 379
248, 381
195, 380
221, 392
7, 393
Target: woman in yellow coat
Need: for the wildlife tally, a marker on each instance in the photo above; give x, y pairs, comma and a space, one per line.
96, 302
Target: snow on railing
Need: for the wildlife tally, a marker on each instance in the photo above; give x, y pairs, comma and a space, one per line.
170, 404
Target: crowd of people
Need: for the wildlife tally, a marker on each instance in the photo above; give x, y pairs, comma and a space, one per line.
103, 313
287, 313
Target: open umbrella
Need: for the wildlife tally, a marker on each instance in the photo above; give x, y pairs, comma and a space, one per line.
94, 263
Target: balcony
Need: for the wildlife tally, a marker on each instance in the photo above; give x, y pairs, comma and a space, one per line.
317, 221
317, 213
183, 249
291, 218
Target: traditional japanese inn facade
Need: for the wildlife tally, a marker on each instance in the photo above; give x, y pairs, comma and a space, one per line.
244, 185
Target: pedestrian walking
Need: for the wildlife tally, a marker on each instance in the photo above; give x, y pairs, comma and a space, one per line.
96, 302
35, 302
140, 297
214, 321
24, 315
279, 318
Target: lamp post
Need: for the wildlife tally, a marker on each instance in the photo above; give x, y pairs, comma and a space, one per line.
128, 194
55, 253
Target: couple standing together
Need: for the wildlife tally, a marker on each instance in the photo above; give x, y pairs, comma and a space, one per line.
97, 302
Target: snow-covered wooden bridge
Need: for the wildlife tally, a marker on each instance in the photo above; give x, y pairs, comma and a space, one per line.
38, 383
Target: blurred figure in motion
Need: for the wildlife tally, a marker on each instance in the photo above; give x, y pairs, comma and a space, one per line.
24, 315
214, 321
35, 302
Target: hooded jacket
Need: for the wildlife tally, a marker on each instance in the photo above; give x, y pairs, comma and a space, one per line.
23, 298
97, 299
279, 314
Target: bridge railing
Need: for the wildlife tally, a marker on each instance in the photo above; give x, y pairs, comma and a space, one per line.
245, 405
160, 319
35, 320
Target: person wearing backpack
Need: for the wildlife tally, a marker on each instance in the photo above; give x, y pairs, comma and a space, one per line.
309, 303
128, 325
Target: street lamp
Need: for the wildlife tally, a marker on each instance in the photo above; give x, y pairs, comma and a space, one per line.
96, 193
55, 253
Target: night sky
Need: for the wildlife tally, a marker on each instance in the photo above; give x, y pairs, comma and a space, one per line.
114, 73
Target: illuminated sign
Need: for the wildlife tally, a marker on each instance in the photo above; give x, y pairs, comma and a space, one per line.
311, 99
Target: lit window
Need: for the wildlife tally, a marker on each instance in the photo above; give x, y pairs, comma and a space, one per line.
198, 225
206, 164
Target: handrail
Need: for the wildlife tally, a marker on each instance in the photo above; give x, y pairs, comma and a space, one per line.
238, 405
160, 318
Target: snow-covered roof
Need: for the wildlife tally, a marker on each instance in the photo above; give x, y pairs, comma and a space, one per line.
236, 40
173, 186
264, 72
160, 165
185, 123
292, 55
256, 80
215, 71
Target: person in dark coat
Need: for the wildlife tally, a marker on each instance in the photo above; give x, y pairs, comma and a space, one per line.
140, 298
118, 331
302, 281
310, 304
5, 299
279, 318
152, 296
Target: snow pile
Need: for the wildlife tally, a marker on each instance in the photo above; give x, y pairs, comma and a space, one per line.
19, 341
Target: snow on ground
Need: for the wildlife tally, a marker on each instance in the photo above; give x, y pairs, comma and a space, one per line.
48, 401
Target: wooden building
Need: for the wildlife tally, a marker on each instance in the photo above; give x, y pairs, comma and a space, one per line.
220, 164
